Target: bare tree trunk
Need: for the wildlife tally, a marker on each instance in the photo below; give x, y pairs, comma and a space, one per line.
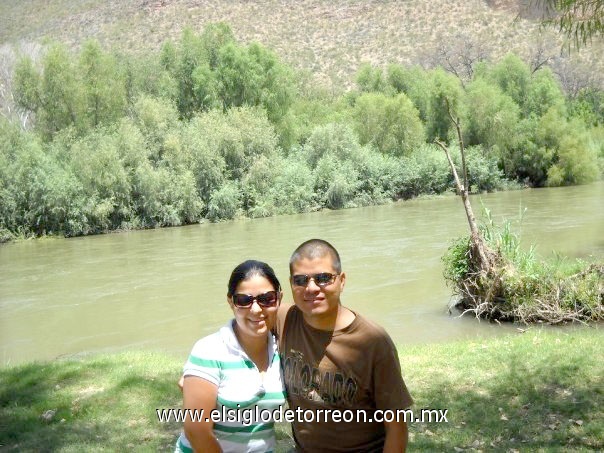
479, 249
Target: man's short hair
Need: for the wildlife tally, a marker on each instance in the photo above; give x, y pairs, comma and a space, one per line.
316, 248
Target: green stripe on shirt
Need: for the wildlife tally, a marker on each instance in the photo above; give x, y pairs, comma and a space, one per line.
184, 448
244, 429
219, 364
244, 438
259, 398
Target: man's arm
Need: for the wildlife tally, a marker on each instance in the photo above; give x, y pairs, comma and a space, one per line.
396, 437
391, 394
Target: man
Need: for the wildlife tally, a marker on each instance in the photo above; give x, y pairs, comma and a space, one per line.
333, 358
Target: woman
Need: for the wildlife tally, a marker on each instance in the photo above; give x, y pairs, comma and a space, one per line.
237, 369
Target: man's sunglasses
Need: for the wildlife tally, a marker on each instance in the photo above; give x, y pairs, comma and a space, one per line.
322, 279
268, 299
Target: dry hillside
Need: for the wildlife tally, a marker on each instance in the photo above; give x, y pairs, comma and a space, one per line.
330, 38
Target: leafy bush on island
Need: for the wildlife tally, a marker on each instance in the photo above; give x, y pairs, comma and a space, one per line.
208, 128
521, 287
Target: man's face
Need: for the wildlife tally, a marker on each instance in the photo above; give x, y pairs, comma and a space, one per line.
317, 301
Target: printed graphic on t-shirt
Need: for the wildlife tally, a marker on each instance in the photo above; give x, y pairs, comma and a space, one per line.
309, 382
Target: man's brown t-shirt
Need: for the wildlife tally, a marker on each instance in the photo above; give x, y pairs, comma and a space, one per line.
349, 369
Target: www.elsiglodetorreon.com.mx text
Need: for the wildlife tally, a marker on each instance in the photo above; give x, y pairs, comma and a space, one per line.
250, 416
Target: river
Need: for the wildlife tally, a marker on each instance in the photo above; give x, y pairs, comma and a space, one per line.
163, 289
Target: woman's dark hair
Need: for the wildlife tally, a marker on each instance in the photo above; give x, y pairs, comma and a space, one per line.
248, 269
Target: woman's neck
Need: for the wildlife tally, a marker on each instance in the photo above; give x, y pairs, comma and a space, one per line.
254, 347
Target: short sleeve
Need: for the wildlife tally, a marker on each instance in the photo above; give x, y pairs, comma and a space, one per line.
202, 363
282, 312
389, 387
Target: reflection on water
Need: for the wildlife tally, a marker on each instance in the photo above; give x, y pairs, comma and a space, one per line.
163, 289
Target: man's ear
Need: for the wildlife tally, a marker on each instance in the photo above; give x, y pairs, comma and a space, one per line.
342, 280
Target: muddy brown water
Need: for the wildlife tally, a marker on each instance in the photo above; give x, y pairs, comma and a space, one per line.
163, 289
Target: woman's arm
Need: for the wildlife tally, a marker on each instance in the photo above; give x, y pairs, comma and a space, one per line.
200, 394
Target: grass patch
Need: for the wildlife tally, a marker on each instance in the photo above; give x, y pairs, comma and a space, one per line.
100, 402
541, 390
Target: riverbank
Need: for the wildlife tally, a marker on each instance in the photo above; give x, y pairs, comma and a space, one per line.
531, 390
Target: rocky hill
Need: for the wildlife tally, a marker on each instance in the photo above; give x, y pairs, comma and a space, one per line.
328, 38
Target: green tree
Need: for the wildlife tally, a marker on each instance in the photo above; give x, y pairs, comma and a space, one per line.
240, 137
492, 117
205, 88
225, 203
155, 118
254, 76
149, 75
200, 154
544, 92
293, 189
104, 86
256, 186
391, 124
96, 161
445, 88
576, 161
513, 77
589, 106
370, 79
191, 55
27, 83
336, 140
62, 98
306, 113
214, 37
415, 82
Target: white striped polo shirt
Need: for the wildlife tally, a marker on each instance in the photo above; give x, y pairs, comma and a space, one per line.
220, 359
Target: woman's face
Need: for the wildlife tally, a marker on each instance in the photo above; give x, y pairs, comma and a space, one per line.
256, 320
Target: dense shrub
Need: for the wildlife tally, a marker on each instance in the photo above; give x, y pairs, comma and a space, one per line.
225, 203
544, 93
208, 128
391, 124
513, 76
445, 89
416, 83
335, 139
491, 117
370, 79
293, 190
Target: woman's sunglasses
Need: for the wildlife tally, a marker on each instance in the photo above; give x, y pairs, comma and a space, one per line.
268, 299
322, 279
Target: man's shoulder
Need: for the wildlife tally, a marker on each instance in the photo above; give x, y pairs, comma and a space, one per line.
284, 309
371, 328
374, 335
282, 313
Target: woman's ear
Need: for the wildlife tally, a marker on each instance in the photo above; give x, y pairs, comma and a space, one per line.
279, 297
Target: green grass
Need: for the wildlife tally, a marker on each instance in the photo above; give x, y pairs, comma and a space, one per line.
536, 391
541, 390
